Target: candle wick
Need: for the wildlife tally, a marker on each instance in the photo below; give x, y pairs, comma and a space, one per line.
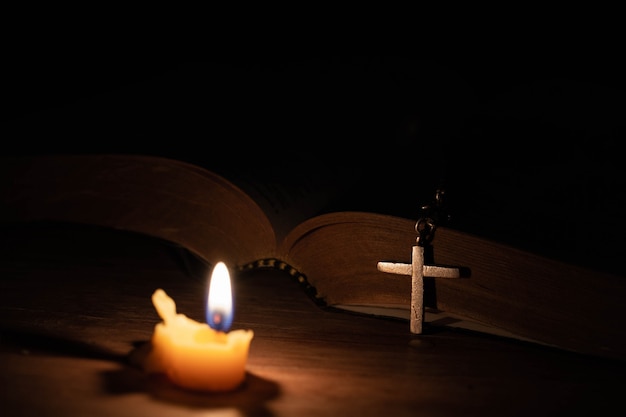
217, 321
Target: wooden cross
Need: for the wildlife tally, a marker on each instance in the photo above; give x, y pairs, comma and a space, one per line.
417, 270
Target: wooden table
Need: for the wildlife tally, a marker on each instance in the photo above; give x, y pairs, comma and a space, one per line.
75, 302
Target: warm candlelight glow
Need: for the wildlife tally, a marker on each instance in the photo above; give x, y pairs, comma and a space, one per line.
195, 355
220, 299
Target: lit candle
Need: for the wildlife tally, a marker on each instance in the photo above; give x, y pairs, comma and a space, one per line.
200, 356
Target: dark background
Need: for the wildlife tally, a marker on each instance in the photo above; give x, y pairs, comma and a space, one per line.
528, 147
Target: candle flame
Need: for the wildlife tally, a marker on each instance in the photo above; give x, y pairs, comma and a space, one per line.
220, 300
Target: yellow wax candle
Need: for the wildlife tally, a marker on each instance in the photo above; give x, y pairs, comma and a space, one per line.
193, 355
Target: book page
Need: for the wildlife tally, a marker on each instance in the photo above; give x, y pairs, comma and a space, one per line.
339, 253
528, 295
161, 197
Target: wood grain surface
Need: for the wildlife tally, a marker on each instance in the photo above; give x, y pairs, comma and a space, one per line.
75, 304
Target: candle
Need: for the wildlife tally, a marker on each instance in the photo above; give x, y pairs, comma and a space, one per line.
195, 355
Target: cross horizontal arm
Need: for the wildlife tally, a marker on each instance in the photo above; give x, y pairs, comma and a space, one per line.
395, 268
441, 271
428, 270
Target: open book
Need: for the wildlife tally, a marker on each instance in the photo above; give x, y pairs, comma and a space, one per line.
250, 224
